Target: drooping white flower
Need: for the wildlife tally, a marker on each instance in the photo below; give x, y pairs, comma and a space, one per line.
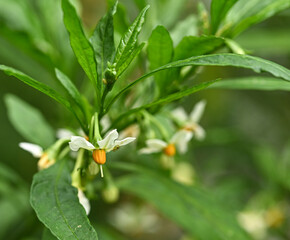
179, 140
191, 122
108, 144
37, 152
34, 149
84, 201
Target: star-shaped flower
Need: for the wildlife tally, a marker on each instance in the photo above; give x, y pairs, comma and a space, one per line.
191, 122
179, 140
108, 144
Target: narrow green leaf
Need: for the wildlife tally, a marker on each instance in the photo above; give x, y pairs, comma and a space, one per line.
165, 100
160, 52
35, 84
227, 59
29, 122
80, 45
218, 10
193, 46
128, 42
56, 204
253, 83
72, 91
247, 13
193, 209
103, 41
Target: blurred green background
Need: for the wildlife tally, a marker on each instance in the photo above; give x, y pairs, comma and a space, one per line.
247, 131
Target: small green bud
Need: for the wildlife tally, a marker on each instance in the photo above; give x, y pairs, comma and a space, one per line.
110, 193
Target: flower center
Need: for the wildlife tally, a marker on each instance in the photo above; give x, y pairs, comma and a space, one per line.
170, 150
99, 156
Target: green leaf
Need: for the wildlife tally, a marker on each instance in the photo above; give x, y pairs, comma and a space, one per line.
195, 210
193, 46
160, 52
72, 91
56, 204
29, 122
103, 41
128, 42
35, 84
226, 59
218, 10
81, 46
247, 13
253, 83
165, 100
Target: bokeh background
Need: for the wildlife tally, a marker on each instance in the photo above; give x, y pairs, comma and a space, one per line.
247, 131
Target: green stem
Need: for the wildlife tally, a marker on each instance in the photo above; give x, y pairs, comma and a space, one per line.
76, 174
160, 127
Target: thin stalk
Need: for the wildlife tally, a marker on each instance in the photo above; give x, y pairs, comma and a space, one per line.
76, 174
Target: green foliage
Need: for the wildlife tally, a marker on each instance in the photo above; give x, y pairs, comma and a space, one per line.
81, 46
103, 41
253, 83
160, 52
29, 122
56, 204
177, 51
128, 44
219, 9
193, 209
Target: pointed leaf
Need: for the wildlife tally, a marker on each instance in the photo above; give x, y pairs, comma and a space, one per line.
103, 41
128, 42
29, 122
253, 83
227, 59
80, 44
35, 84
247, 13
218, 10
160, 52
57, 205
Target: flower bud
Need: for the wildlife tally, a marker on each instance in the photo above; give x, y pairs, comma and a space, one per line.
99, 156
44, 162
110, 193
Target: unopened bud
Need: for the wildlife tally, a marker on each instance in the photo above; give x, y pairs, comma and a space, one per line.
110, 194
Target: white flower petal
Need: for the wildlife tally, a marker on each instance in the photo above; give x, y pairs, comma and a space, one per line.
180, 114
181, 139
63, 133
153, 146
197, 111
34, 149
199, 133
109, 140
84, 201
77, 142
156, 144
124, 141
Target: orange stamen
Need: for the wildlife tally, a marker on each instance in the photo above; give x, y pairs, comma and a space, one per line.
99, 156
170, 150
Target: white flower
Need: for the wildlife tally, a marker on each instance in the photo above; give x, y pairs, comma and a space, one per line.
84, 201
63, 133
191, 122
109, 143
179, 140
34, 149
37, 152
